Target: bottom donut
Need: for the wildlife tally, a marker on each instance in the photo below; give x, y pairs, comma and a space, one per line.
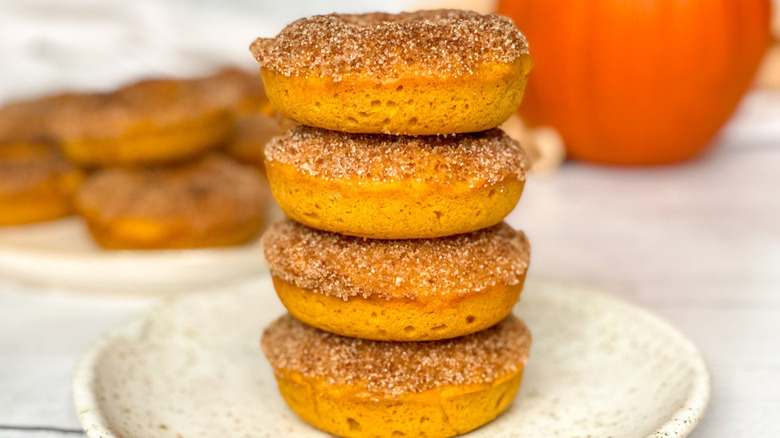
359, 388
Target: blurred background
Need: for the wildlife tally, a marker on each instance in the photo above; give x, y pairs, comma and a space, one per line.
654, 127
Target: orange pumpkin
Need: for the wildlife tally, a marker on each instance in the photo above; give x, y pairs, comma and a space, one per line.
638, 82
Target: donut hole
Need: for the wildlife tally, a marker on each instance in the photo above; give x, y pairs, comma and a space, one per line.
413, 121
439, 327
492, 193
470, 319
398, 433
409, 328
390, 103
376, 102
424, 419
399, 88
353, 424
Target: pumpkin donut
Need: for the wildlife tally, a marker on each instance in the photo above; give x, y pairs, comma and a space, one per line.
417, 73
396, 187
26, 121
209, 202
36, 183
359, 388
148, 122
397, 290
242, 90
253, 132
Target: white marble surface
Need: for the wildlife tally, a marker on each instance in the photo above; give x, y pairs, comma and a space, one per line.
698, 243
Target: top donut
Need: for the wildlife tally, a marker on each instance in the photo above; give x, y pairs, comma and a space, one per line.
415, 73
432, 43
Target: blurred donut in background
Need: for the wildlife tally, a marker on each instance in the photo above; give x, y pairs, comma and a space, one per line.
208, 202
253, 132
31, 120
36, 183
147, 122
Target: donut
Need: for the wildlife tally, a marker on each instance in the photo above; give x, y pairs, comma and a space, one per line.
148, 122
241, 89
395, 187
26, 121
36, 183
397, 290
253, 132
359, 388
417, 73
211, 201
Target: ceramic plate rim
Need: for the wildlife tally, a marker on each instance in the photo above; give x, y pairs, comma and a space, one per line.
685, 419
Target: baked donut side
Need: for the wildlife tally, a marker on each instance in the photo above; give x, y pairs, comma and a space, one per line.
398, 319
407, 290
413, 106
395, 187
417, 73
387, 210
358, 388
140, 146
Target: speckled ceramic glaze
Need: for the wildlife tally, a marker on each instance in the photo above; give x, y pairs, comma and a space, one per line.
193, 367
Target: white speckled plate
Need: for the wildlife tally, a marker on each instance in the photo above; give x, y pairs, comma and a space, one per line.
193, 367
62, 255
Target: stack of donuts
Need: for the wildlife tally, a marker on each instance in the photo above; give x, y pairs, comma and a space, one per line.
142, 164
395, 264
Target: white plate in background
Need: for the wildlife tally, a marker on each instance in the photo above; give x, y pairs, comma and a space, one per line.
62, 255
193, 367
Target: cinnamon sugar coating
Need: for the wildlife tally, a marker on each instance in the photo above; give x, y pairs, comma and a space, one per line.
206, 191
31, 120
480, 158
394, 368
28, 165
443, 42
345, 266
